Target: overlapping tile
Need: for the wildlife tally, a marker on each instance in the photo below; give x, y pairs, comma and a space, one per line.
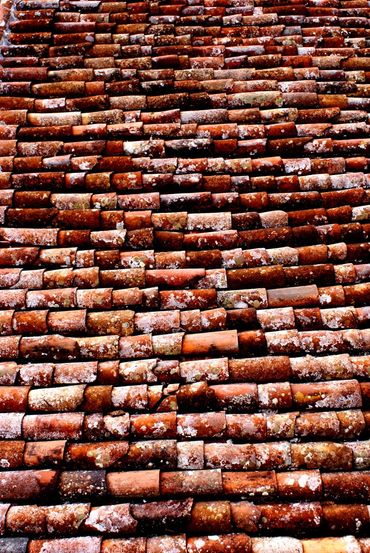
184, 276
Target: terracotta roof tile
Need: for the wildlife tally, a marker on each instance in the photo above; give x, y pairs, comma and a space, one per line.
184, 277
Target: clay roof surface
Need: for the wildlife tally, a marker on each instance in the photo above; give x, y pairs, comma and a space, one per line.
184, 276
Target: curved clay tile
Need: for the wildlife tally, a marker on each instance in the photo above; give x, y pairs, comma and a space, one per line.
184, 276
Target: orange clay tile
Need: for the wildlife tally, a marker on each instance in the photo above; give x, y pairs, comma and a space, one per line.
184, 277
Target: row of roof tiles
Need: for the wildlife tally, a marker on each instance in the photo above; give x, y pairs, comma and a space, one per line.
195, 455
328, 172
208, 293
353, 233
240, 543
88, 268
345, 424
146, 484
249, 342
194, 516
240, 397
126, 322
182, 171
184, 145
337, 223
73, 211
85, 266
252, 369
